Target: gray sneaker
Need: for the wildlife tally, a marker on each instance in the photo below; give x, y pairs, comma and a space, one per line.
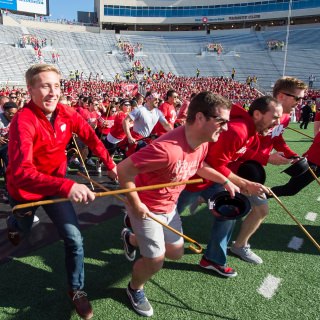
129, 249
139, 302
246, 254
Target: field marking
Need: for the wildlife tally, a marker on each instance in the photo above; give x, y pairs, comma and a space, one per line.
269, 286
311, 216
295, 243
318, 199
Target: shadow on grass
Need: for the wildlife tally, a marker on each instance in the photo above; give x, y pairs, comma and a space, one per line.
35, 287
270, 237
182, 305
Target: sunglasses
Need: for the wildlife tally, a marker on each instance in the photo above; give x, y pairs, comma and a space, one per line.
293, 96
10, 113
13, 97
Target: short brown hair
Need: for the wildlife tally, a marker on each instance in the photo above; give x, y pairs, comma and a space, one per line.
207, 103
288, 84
38, 68
262, 104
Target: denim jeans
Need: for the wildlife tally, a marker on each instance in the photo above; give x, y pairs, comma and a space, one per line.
221, 230
65, 220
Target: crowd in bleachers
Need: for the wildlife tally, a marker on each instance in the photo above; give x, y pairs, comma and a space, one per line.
275, 44
215, 47
128, 48
34, 41
100, 101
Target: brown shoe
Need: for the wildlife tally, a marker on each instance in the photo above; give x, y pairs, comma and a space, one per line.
81, 303
13, 235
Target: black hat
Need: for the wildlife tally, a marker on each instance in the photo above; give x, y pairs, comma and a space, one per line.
298, 167
252, 170
10, 105
124, 101
224, 207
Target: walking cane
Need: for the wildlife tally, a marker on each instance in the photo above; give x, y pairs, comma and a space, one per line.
108, 193
84, 165
314, 175
300, 133
194, 249
295, 220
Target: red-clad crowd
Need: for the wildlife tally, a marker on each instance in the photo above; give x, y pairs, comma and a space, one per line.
201, 134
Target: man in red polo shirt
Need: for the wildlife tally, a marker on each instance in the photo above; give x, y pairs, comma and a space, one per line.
175, 156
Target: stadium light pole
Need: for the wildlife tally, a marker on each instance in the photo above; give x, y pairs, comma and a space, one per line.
287, 39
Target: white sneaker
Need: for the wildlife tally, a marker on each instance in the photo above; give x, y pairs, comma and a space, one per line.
98, 166
76, 161
35, 219
246, 254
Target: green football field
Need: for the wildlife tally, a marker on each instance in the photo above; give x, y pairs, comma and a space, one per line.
285, 286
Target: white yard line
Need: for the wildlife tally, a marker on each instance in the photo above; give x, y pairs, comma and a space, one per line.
295, 243
318, 199
311, 216
269, 286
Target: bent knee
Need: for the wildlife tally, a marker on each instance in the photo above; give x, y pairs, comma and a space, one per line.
154, 264
174, 252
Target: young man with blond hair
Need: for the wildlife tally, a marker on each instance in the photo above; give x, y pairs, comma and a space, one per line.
38, 137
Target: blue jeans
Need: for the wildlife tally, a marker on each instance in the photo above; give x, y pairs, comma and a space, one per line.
221, 230
65, 220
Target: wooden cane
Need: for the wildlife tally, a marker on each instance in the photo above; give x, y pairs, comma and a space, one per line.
194, 249
108, 193
84, 165
300, 132
102, 187
314, 175
295, 220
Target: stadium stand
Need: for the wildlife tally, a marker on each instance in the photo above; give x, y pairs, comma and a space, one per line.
178, 52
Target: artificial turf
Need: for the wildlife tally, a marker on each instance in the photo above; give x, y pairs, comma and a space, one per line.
34, 287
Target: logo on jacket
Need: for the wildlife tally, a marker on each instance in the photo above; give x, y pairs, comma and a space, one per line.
63, 127
277, 131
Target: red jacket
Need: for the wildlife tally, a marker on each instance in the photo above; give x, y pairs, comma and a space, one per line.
37, 165
229, 151
314, 151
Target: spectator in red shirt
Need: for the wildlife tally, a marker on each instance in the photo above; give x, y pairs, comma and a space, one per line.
175, 156
117, 133
168, 110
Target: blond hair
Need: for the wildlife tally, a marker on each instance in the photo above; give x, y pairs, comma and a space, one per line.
289, 85
38, 68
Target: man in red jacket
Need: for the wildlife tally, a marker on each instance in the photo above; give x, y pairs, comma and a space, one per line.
225, 156
38, 137
289, 92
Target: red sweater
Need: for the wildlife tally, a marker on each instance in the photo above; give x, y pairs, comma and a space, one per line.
274, 140
313, 153
37, 165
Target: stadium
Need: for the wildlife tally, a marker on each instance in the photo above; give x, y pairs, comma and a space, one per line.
168, 51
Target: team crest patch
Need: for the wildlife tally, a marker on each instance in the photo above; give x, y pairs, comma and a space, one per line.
63, 127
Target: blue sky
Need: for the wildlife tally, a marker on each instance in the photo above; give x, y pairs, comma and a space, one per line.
67, 9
